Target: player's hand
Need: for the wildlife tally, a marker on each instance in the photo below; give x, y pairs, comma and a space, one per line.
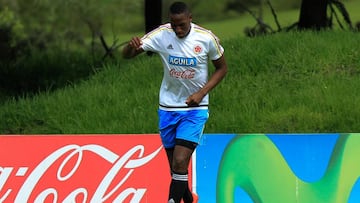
194, 99
135, 43
132, 48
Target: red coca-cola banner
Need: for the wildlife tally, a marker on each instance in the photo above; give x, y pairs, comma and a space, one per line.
83, 168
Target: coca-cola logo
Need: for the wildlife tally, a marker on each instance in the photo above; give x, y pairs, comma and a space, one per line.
183, 74
66, 176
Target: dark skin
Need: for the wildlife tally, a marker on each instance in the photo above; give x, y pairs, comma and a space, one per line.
179, 157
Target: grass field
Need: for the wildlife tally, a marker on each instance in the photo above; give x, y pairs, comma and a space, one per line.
283, 83
286, 83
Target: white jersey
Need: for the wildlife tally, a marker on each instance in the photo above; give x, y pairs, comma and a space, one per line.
185, 61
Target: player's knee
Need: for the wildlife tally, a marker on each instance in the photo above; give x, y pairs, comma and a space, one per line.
179, 163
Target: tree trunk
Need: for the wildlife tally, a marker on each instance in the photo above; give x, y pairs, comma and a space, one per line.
313, 14
153, 13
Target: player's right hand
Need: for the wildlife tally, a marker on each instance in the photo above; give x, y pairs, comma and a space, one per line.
135, 43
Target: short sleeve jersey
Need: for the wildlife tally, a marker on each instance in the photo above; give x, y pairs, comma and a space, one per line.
185, 62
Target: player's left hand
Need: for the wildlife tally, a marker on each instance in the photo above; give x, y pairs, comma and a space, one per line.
194, 99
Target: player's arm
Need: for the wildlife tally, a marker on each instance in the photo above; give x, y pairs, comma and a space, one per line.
217, 76
133, 48
215, 79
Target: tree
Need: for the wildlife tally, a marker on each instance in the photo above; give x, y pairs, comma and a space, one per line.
153, 12
313, 14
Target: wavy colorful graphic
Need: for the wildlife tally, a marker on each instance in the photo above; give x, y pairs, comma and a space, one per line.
255, 164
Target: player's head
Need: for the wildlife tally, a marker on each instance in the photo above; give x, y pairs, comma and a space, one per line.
180, 19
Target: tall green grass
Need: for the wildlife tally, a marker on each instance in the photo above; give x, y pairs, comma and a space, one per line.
283, 83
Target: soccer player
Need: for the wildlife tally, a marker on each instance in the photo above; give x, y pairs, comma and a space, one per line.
185, 50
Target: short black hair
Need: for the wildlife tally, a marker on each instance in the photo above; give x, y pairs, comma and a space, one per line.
179, 7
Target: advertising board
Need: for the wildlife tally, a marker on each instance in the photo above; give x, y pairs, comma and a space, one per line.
227, 168
273, 168
83, 168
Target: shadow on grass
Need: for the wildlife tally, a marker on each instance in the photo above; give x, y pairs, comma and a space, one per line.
29, 75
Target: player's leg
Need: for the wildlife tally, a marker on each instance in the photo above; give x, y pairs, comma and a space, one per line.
188, 135
167, 126
169, 154
187, 194
179, 187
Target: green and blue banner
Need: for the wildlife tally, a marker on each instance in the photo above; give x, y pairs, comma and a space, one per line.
277, 168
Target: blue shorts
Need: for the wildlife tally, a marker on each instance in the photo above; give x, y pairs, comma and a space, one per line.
187, 125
